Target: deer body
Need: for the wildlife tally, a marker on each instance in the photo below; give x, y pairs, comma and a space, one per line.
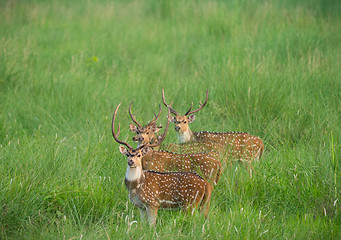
151, 191
235, 146
232, 145
238, 145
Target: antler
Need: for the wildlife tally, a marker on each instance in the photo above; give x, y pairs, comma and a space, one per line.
156, 117
201, 106
113, 129
132, 116
164, 134
189, 109
168, 106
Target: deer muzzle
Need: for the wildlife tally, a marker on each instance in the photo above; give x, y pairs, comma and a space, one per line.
131, 163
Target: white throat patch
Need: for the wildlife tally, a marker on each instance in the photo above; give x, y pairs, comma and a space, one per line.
133, 174
185, 136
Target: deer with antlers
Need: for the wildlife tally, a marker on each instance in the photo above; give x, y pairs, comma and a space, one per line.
234, 145
151, 190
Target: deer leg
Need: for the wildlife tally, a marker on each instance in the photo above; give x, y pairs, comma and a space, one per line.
217, 173
258, 155
206, 199
211, 177
143, 215
249, 168
228, 158
191, 204
201, 201
152, 214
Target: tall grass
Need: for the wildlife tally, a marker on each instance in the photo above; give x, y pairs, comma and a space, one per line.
272, 69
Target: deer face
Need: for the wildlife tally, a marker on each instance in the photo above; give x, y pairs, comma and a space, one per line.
134, 156
181, 122
146, 134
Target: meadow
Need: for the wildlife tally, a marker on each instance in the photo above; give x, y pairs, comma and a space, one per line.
272, 68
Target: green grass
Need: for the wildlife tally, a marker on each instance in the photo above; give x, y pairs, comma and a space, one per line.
272, 69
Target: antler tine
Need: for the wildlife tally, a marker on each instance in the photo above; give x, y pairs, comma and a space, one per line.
201, 106
189, 109
113, 129
168, 106
155, 117
141, 146
164, 134
132, 116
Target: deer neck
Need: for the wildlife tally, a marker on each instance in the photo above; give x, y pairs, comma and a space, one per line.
148, 159
134, 177
149, 154
186, 136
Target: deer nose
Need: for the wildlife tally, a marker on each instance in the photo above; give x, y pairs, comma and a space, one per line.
177, 128
130, 162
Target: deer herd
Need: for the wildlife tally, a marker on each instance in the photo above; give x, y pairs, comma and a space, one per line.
180, 175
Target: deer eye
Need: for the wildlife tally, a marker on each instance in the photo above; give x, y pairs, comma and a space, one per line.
185, 122
147, 132
139, 155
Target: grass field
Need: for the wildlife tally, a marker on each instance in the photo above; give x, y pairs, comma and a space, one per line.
273, 69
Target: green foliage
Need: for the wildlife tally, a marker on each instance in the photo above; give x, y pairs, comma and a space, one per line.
272, 69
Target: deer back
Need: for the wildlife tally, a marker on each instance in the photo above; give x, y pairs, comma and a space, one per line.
237, 145
202, 163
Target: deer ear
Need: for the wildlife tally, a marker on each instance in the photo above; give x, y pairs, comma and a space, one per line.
191, 118
123, 150
133, 128
145, 150
155, 128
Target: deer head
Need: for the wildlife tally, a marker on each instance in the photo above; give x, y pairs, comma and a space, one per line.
181, 121
135, 155
146, 134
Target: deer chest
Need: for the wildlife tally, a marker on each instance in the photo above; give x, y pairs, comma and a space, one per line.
134, 193
135, 198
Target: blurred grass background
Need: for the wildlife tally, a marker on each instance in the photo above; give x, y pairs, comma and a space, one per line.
272, 69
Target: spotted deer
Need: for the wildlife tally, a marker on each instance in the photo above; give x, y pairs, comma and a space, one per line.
146, 134
151, 190
234, 145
